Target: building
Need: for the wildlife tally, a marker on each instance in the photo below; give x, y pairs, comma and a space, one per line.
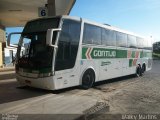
15, 13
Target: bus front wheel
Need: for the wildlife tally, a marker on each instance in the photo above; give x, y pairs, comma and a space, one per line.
88, 79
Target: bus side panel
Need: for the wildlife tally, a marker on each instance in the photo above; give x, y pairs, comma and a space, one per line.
110, 68
131, 60
147, 56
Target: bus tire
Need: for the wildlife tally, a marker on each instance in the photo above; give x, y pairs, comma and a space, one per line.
143, 68
138, 71
88, 79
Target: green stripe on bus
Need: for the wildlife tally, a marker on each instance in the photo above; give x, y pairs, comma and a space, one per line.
147, 54
133, 54
130, 62
99, 53
141, 54
121, 54
84, 50
102, 53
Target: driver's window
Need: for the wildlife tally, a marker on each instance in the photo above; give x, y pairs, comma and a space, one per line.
26, 46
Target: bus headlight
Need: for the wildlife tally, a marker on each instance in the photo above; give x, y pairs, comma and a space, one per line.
44, 75
47, 74
35, 71
40, 75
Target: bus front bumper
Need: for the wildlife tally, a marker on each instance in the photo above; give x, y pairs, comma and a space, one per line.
43, 83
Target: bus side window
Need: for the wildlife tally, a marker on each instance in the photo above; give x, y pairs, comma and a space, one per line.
108, 37
132, 43
92, 34
140, 43
121, 39
149, 47
145, 44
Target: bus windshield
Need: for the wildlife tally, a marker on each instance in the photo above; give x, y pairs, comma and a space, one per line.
36, 54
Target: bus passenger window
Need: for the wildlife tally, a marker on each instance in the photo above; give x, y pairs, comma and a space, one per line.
140, 43
108, 37
92, 34
121, 39
132, 43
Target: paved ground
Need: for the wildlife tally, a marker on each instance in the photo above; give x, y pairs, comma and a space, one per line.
6, 75
11, 68
127, 95
134, 95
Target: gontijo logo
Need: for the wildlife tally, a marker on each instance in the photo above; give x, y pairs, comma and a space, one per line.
97, 53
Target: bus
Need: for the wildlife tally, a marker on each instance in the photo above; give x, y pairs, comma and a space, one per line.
65, 51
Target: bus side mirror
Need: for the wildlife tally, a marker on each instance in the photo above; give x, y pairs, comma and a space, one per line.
9, 39
51, 33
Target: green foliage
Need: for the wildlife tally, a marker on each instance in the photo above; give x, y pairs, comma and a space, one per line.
156, 55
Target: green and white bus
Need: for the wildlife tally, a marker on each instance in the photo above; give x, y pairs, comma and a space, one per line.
66, 51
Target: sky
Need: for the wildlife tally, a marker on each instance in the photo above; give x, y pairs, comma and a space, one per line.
14, 38
138, 16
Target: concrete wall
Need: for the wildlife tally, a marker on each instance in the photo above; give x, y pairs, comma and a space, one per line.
2, 39
1, 58
2, 36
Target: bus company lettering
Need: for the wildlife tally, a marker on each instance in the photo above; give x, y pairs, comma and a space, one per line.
104, 53
98, 53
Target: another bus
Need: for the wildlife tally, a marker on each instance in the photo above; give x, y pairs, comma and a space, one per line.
66, 51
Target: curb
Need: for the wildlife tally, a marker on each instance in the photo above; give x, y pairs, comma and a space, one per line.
7, 69
7, 75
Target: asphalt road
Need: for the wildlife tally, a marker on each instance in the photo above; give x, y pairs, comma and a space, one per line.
126, 95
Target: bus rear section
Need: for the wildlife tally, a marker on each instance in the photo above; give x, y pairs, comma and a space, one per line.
109, 52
